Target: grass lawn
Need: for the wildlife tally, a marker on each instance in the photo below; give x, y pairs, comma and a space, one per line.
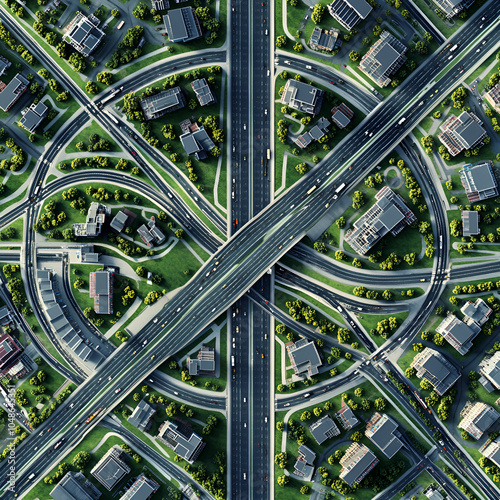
484, 82
18, 228
53, 381
205, 170
369, 322
315, 149
16, 180
42, 490
84, 135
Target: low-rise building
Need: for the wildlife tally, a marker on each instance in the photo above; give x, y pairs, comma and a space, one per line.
4, 65
142, 489
432, 494
489, 368
327, 40
345, 416
493, 97
462, 132
182, 25
302, 97
477, 312
457, 333
160, 5
101, 290
112, 467
432, 366
33, 116
96, 217
388, 214
349, 12
323, 429
451, 8
119, 221
204, 363
357, 462
182, 439
75, 486
315, 134
470, 223
162, 103
304, 465
10, 351
491, 450
479, 181
203, 92
342, 115
84, 34
197, 142
304, 357
13, 91
142, 415
383, 59
477, 418
151, 234
382, 430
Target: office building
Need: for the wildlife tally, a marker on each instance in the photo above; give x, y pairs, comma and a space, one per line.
112, 467
142, 415
462, 132
349, 12
33, 116
204, 363
432, 366
489, 368
119, 221
458, 334
142, 489
96, 217
101, 290
197, 142
326, 40
181, 439
383, 432
388, 214
304, 465
342, 115
451, 8
493, 97
162, 103
83, 33
319, 130
470, 223
479, 181
345, 416
182, 25
75, 486
304, 357
203, 92
13, 91
477, 418
383, 59
357, 462
302, 97
323, 429
151, 234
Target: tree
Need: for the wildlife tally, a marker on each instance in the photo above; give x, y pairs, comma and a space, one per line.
141, 271
104, 77
380, 404
356, 436
280, 426
304, 490
354, 55
179, 233
80, 460
136, 396
283, 480
91, 87
115, 13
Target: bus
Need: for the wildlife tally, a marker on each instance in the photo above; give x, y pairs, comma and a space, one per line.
337, 191
110, 96
232, 360
120, 25
268, 154
37, 189
420, 400
440, 242
93, 416
113, 118
311, 190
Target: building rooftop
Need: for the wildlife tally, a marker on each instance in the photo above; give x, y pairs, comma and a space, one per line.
164, 102
479, 181
203, 92
84, 34
142, 415
111, 468
181, 439
75, 486
304, 357
349, 12
302, 96
182, 25
357, 462
13, 91
381, 430
33, 116
470, 223
101, 290
142, 489
323, 429
119, 221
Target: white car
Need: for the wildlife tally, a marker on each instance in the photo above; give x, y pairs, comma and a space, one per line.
169, 195
244, 126
265, 420
265, 111
155, 320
